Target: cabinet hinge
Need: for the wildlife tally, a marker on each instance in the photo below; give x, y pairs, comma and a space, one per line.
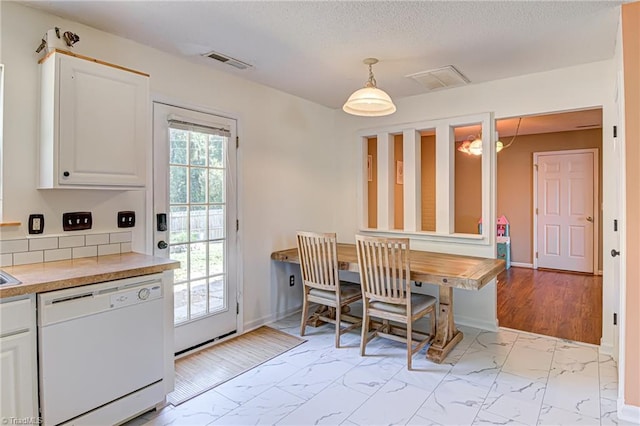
536, 210
536, 255
615, 131
615, 225
237, 142
237, 225
237, 308
615, 318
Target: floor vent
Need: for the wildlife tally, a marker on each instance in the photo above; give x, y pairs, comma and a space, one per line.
236, 63
440, 78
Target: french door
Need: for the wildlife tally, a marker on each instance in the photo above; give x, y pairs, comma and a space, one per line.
195, 221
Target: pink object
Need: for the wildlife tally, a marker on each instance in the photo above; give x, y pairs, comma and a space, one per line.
502, 226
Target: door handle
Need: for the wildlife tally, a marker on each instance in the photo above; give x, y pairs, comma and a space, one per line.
589, 219
614, 253
162, 245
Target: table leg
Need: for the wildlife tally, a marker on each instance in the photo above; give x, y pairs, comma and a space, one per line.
447, 336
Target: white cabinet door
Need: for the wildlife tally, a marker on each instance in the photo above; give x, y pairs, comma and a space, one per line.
95, 124
16, 376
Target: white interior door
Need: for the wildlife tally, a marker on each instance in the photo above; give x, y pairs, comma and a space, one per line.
566, 222
194, 187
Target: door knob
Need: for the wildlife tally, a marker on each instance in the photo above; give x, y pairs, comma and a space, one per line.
162, 245
614, 253
589, 219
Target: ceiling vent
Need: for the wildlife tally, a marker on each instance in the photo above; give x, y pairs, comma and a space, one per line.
236, 63
440, 78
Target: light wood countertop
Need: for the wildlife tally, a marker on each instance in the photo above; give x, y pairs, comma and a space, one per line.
48, 276
448, 270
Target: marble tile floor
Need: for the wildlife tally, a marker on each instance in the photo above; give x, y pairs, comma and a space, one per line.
503, 377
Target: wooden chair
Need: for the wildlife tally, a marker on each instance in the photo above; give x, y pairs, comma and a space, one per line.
319, 267
386, 293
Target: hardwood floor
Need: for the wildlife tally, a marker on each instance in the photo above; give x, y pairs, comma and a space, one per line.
559, 304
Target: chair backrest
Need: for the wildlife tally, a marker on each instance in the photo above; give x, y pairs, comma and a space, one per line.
384, 268
318, 260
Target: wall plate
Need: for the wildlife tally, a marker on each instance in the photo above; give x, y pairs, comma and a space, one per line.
36, 223
126, 219
76, 221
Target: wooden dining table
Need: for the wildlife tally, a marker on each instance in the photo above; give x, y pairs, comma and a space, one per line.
448, 271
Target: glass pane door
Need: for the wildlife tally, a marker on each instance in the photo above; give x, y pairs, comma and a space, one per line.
200, 208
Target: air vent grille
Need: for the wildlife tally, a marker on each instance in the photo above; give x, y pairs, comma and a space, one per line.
440, 78
236, 63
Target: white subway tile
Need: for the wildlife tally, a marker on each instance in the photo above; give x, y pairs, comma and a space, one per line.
125, 248
96, 239
88, 251
6, 259
71, 241
13, 246
28, 257
43, 243
120, 237
58, 254
103, 250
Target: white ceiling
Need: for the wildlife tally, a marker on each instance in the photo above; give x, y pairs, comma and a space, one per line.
314, 49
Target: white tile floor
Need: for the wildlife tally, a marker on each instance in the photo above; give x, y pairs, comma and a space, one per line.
489, 378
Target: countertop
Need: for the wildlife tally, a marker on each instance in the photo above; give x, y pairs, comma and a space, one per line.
48, 276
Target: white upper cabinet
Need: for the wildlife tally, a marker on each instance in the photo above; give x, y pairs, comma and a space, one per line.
94, 124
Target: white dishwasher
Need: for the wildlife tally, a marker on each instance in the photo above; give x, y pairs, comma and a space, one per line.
101, 351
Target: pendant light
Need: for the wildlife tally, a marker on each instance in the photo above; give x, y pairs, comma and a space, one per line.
369, 101
473, 144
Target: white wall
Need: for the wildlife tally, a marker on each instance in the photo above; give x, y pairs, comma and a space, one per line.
298, 161
287, 147
584, 86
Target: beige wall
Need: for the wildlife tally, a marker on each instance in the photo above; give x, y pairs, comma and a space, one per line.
515, 183
428, 182
468, 192
515, 186
372, 185
398, 194
631, 52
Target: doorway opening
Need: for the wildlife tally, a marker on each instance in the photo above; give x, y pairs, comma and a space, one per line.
557, 301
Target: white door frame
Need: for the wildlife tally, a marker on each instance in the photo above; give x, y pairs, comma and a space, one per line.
596, 210
150, 225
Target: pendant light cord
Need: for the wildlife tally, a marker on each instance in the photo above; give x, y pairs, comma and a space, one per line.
514, 136
372, 80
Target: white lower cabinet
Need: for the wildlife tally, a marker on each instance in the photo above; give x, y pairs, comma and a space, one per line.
18, 396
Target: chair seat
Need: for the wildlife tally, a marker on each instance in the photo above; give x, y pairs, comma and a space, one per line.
347, 291
419, 302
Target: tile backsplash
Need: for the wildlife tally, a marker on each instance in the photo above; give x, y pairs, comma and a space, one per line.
48, 249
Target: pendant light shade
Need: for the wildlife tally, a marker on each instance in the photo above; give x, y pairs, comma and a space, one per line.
369, 101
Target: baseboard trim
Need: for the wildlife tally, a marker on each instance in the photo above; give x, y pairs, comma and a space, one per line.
606, 348
628, 413
475, 323
268, 319
522, 265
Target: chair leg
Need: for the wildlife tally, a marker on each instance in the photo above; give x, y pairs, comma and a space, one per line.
365, 330
409, 344
338, 309
305, 308
433, 324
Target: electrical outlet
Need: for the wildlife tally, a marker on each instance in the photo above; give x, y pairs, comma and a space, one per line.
76, 221
292, 280
126, 219
36, 223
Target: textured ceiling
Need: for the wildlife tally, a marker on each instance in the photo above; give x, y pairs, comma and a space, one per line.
315, 49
